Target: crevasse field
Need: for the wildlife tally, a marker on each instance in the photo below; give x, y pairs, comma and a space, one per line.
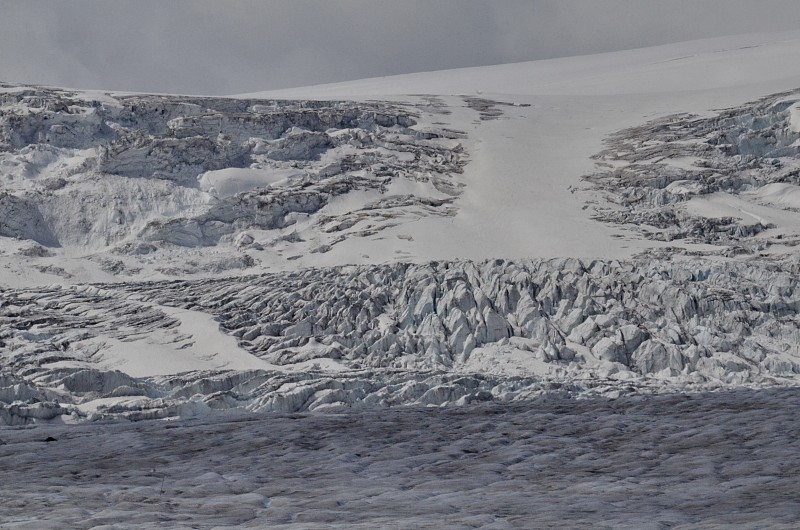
545, 294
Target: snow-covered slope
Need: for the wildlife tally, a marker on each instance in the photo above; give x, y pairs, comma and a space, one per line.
626, 222
721, 64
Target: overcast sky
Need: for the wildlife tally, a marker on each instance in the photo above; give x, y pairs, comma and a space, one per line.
235, 46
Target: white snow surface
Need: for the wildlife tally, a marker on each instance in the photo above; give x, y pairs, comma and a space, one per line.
719, 64
196, 343
230, 181
794, 117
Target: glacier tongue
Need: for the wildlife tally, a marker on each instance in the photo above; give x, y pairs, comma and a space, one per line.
400, 334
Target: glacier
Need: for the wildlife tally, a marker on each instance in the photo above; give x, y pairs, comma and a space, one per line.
677, 461
709, 301
554, 291
383, 336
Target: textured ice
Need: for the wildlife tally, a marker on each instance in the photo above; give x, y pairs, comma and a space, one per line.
445, 333
722, 459
729, 180
182, 186
82, 170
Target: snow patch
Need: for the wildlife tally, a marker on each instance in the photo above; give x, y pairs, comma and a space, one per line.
794, 117
227, 182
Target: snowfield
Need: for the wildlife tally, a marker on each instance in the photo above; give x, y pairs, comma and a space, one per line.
509, 296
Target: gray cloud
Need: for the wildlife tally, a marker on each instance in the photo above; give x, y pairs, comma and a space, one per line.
230, 46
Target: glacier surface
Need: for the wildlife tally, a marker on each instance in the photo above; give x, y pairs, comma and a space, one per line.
549, 293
